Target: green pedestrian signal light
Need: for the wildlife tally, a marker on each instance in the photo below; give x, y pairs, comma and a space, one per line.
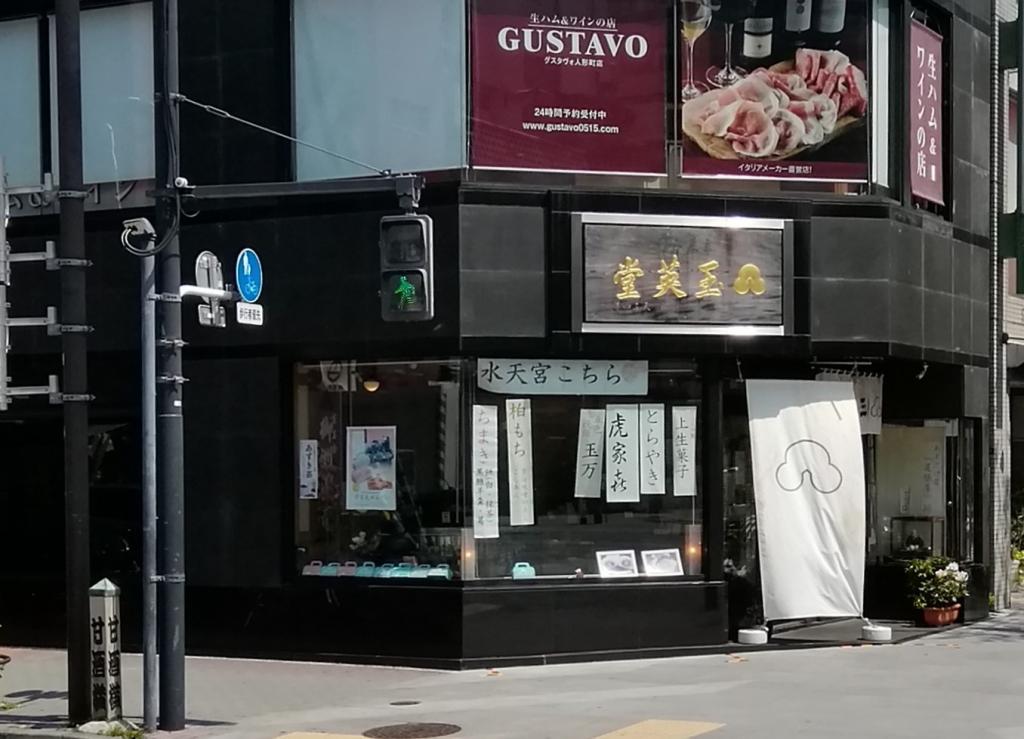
406, 268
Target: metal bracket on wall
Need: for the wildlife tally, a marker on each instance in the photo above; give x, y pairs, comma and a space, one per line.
72, 194
167, 297
172, 343
55, 264
171, 379
57, 329
71, 398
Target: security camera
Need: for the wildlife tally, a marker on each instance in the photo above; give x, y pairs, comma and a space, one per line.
181, 182
142, 231
139, 227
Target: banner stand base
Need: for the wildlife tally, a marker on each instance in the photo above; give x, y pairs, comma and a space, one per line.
873, 633
753, 636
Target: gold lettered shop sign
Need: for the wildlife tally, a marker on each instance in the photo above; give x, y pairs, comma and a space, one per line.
682, 274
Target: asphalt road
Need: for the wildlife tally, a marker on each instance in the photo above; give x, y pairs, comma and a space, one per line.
966, 682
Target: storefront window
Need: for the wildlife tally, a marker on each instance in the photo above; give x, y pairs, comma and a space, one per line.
911, 470
378, 474
542, 525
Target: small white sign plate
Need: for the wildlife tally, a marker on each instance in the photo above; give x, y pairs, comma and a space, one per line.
249, 314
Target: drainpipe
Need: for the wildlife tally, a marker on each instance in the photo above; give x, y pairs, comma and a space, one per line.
995, 388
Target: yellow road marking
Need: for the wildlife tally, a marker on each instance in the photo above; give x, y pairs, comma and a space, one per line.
660, 729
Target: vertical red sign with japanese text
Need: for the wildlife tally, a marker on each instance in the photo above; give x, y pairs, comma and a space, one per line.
569, 85
925, 86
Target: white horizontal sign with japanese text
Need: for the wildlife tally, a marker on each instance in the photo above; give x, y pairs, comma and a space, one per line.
562, 376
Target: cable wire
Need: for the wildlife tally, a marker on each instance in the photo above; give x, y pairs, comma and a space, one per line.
221, 113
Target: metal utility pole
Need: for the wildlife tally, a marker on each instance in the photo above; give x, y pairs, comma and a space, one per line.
149, 569
170, 475
74, 348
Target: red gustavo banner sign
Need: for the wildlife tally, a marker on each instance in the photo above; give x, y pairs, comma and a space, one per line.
569, 85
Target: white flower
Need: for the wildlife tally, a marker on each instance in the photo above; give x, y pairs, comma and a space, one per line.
941, 574
962, 577
953, 567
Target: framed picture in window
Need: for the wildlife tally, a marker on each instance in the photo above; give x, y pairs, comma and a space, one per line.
617, 563
662, 562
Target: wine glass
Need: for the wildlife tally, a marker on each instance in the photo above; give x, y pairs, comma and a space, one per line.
731, 12
695, 16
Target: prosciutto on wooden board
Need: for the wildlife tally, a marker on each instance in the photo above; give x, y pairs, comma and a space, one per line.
773, 112
746, 125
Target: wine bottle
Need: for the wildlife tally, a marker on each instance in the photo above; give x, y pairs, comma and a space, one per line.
798, 16
831, 17
757, 32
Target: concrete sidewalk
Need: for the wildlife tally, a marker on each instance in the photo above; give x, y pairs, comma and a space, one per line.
962, 682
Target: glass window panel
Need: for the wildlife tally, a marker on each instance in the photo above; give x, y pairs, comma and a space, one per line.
19, 90
393, 428
380, 82
117, 97
568, 531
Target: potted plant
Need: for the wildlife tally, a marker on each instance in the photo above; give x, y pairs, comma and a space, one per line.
936, 585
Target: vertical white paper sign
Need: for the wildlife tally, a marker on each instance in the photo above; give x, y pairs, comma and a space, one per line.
622, 453
309, 469
485, 472
652, 449
589, 453
684, 444
520, 461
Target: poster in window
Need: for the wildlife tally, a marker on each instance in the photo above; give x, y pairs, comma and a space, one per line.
652, 449
684, 443
518, 426
309, 471
370, 463
622, 453
774, 95
590, 453
485, 472
569, 85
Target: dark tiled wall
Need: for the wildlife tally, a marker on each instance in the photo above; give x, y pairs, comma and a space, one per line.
235, 55
902, 284
969, 114
502, 269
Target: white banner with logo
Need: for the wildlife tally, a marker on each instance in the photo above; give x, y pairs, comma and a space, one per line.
590, 453
868, 389
808, 468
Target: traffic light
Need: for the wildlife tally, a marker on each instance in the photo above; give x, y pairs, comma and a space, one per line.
406, 268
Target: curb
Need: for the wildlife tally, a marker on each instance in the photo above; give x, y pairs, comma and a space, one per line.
23, 733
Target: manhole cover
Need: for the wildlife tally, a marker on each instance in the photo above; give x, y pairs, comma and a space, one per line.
405, 703
412, 731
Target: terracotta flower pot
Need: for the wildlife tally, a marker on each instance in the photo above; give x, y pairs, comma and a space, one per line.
942, 616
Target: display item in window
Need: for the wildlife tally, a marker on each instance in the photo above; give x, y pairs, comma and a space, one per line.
618, 563
662, 562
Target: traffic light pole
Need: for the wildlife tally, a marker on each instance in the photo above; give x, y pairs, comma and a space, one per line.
74, 349
170, 420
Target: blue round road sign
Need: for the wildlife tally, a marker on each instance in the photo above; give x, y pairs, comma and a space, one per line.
249, 275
